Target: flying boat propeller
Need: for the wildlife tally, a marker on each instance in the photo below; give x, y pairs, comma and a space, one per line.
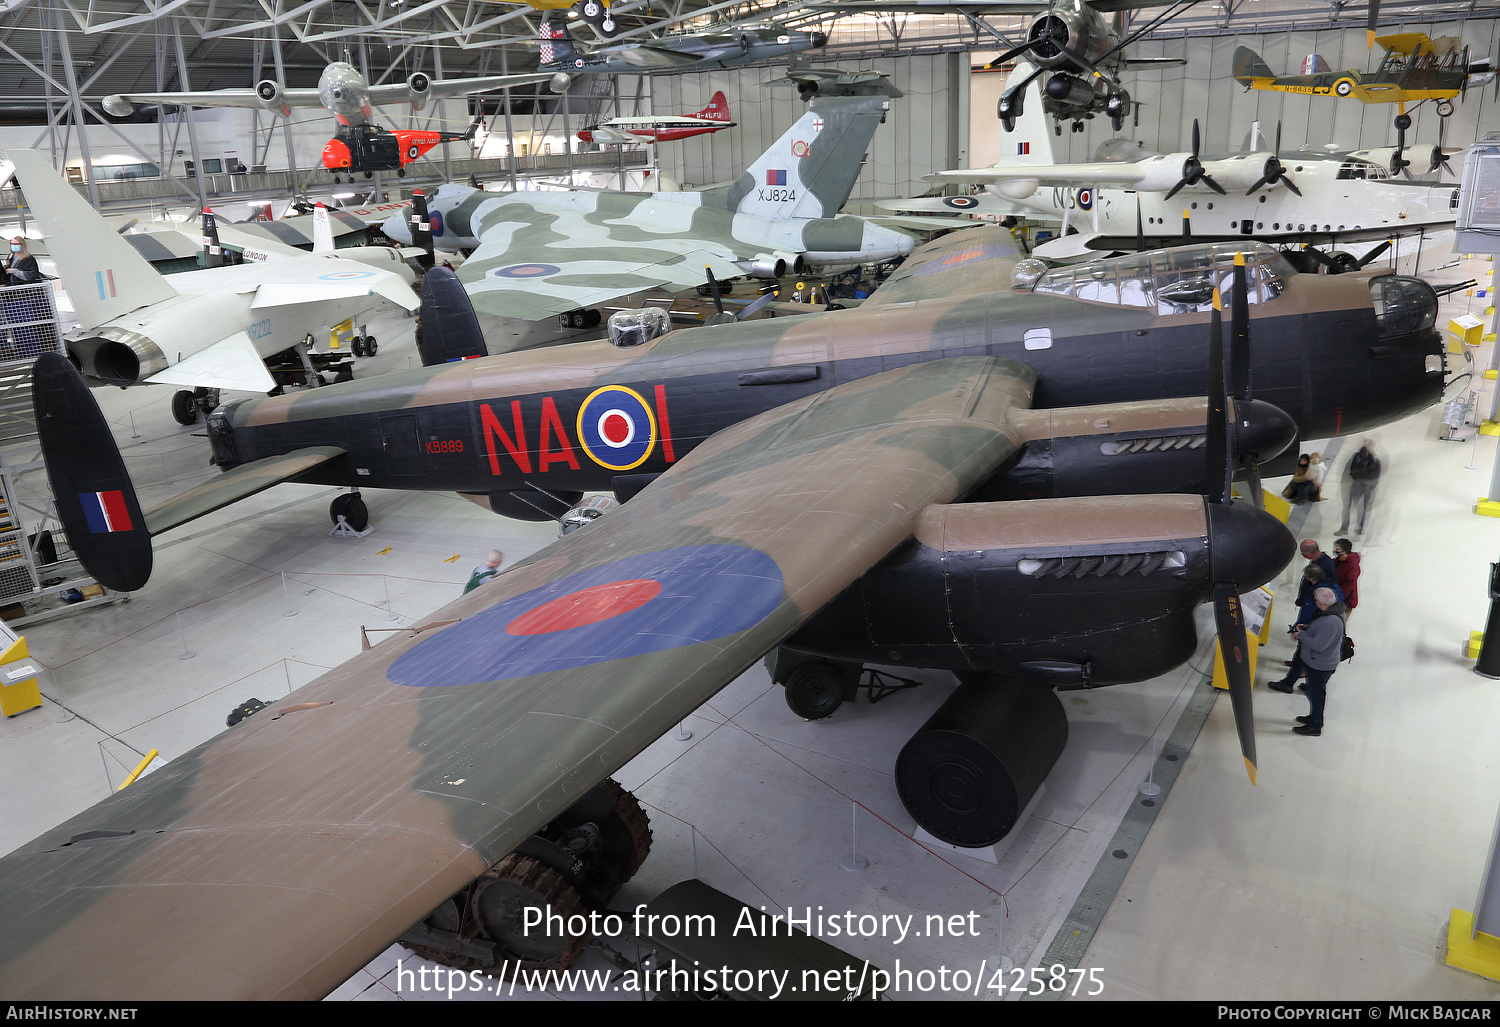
1192, 170
1274, 171
1229, 615
1399, 163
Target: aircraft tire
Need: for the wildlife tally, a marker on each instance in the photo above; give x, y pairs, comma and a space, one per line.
370, 347
562, 320
578, 319
814, 690
353, 509
609, 26
1403, 122
630, 830
592, 318
500, 899
1009, 124
400, 172
184, 409
358, 345
1445, 108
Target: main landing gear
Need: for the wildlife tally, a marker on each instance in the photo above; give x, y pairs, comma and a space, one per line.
576, 320
967, 774
186, 405
575, 864
349, 507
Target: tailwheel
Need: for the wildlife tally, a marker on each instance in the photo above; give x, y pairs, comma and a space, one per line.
814, 690
352, 508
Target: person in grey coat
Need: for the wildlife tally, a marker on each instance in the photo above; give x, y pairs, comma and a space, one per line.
1319, 646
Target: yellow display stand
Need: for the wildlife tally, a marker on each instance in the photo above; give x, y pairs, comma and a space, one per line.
1467, 329
1489, 428
21, 695
1479, 954
1487, 508
1476, 642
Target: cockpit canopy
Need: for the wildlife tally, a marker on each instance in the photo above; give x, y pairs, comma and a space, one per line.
1175, 281
629, 328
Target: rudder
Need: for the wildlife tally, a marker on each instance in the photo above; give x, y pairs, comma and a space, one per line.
96, 501
104, 275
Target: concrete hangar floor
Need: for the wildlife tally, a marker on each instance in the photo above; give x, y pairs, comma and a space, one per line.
1333, 879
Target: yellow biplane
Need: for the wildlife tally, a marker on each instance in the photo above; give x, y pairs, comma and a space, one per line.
1414, 69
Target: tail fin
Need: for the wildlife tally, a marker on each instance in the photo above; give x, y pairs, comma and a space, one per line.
322, 230
213, 253
104, 275
557, 45
1249, 66
1314, 64
421, 227
450, 330
810, 171
1030, 142
95, 500
717, 109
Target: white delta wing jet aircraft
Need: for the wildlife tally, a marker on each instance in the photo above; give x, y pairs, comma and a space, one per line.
204, 330
1324, 201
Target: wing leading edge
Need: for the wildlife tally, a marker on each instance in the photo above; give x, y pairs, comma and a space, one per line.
282, 855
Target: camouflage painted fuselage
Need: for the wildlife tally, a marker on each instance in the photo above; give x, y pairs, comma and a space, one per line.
579, 417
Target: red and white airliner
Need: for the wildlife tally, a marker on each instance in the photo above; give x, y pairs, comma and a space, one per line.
662, 128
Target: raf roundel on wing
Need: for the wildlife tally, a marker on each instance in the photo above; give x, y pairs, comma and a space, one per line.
631, 607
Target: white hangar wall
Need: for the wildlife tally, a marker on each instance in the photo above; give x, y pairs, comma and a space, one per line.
926, 130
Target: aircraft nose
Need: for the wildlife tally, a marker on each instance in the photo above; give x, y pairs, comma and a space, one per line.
819, 40
1247, 546
1265, 430
395, 229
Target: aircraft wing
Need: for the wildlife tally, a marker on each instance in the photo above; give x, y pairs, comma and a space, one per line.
233, 485
440, 88
221, 98
534, 263
648, 56
962, 264
232, 363
1092, 173
276, 294
282, 855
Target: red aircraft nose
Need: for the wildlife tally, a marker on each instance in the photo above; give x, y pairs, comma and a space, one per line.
335, 155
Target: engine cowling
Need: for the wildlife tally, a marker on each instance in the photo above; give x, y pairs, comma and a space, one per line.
268, 93
418, 90
772, 265
1052, 28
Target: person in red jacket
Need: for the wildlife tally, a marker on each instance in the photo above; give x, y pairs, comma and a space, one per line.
1346, 565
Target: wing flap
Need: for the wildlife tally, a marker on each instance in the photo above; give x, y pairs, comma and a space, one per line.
437, 753
233, 485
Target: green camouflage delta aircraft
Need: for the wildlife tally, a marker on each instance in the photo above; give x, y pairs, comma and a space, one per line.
836, 486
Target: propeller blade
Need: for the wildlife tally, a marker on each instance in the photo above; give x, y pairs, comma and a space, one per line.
1239, 331
1374, 15
755, 304
1216, 445
1258, 185
1140, 230
1215, 186
713, 288
1252, 480
1187, 234
1173, 191
1195, 139
1377, 251
1234, 649
1287, 181
1010, 54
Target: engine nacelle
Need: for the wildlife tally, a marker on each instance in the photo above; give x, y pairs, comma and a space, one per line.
268, 93
118, 106
418, 90
772, 265
1097, 590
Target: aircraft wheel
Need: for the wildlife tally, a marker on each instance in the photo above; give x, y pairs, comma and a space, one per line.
370, 346
814, 690
1009, 124
627, 833
563, 320
1445, 108
578, 319
358, 345
1403, 122
1117, 122
499, 907
1057, 128
184, 409
400, 172
590, 9
344, 374
369, 174
593, 317
353, 510
609, 26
